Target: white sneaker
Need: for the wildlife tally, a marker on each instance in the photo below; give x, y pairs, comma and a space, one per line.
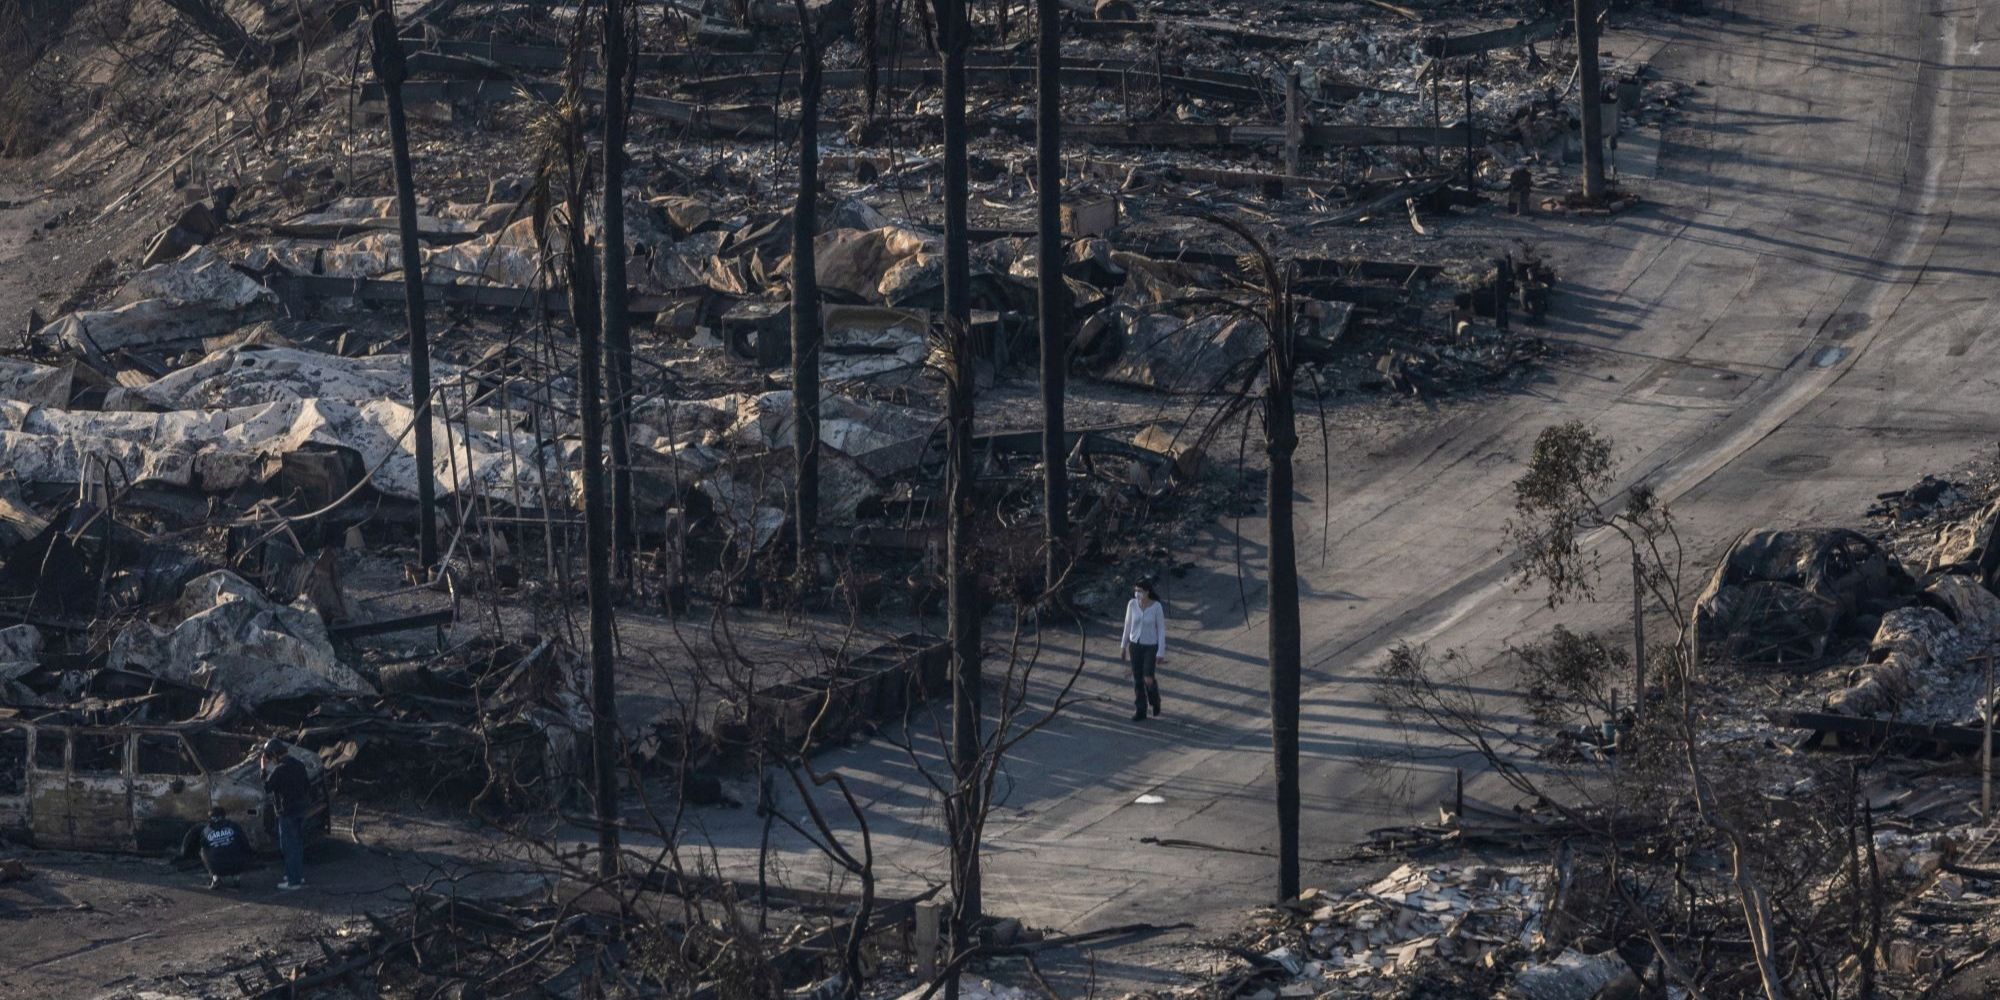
291, 886
215, 881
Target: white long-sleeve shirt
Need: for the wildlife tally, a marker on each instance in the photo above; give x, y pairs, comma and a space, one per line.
1146, 626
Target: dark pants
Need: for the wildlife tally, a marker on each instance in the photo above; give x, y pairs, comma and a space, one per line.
292, 844
223, 864
1145, 687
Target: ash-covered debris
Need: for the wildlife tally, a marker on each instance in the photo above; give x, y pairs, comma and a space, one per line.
1424, 930
209, 475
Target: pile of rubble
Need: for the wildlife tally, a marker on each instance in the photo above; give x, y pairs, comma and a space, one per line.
1429, 930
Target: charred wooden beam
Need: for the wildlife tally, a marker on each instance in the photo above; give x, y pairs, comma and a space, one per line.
1238, 33
720, 122
1245, 90
405, 623
1441, 47
1308, 267
721, 72
299, 287
1187, 135
1879, 732
752, 122
549, 58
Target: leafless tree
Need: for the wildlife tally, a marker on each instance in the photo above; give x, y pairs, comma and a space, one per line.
565, 166
953, 37
805, 304
1051, 291
619, 79
387, 55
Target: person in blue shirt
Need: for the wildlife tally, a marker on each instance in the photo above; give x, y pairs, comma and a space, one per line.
223, 847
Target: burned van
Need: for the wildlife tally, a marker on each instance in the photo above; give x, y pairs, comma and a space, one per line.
134, 788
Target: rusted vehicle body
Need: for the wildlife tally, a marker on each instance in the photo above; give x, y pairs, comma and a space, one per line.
134, 788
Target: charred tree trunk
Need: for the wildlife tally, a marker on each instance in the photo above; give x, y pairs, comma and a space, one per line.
868, 34
961, 585
387, 56
1053, 294
1281, 439
617, 321
584, 303
805, 303
1638, 635
1593, 99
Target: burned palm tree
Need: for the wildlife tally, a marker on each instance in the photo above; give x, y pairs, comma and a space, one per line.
1278, 367
386, 55
564, 164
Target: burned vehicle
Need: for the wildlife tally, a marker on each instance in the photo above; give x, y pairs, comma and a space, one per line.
1781, 597
137, 787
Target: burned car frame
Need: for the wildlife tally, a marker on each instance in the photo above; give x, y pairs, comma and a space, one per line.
135, 788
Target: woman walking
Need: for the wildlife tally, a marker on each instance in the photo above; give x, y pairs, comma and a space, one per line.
1143, 643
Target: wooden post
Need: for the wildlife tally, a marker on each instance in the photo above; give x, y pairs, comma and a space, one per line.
1294, 125
1638, 635
1986, 750
1468, 126
927, 941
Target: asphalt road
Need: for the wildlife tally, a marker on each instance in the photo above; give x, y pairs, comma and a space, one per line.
1793, 322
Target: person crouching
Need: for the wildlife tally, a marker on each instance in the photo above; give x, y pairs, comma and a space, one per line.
224, 849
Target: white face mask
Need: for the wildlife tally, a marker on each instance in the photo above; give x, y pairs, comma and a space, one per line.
1138, 595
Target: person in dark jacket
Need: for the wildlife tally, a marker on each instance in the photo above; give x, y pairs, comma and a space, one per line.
223, 846
291, 801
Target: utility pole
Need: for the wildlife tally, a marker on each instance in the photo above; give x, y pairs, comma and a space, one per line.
1593, 98
1052, 293
386, 53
